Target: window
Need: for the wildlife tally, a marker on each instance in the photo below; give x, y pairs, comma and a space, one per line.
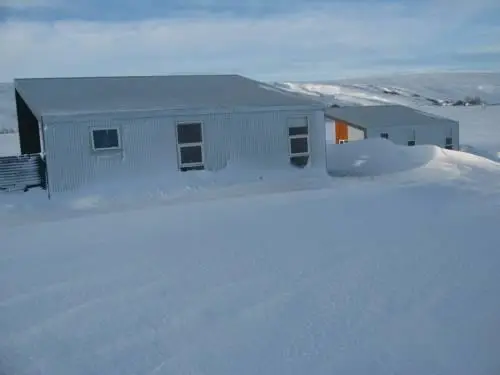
190, 146
449, 143
298, 135
384, 135
105, 139
411, 143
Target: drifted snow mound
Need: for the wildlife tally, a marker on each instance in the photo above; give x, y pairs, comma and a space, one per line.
375, 157
480, 152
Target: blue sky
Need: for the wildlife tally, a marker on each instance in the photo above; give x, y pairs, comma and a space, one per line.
269, 40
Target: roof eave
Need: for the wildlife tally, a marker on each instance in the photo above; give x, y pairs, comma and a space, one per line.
181, 110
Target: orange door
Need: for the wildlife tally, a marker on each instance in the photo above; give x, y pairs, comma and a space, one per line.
341, 131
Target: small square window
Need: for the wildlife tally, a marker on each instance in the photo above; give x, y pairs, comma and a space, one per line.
298, 145
191, 154
411, 143
384, 135
189, 133
105, 139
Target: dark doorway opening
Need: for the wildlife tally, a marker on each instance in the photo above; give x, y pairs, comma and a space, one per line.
29, 132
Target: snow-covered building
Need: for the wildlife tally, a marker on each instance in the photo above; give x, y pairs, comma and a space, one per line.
402, 125
94, 128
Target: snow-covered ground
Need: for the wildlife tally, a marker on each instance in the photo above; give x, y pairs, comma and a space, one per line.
392, 269
396, 274
9, 144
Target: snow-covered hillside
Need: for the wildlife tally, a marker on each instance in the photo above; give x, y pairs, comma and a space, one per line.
411, 90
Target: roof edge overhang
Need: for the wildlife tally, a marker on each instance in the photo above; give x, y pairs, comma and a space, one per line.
178, 111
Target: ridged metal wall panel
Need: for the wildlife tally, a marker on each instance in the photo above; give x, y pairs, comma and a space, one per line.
20, 172
426, 134
148, 144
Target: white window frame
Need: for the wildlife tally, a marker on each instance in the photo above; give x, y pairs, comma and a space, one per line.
180, 146
92, 130
306, 136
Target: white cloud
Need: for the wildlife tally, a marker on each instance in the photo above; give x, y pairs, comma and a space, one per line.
325, 43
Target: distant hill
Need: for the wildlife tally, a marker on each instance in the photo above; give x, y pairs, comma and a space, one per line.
438, 89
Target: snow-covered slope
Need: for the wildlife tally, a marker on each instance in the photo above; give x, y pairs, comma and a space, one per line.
411, 90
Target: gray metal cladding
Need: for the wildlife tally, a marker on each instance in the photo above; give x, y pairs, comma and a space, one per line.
20, 172
148, 145
429, 134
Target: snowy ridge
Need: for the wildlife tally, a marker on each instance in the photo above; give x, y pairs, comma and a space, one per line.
410, 90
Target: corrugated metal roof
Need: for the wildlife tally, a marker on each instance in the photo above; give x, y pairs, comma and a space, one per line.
103, 94
379, 116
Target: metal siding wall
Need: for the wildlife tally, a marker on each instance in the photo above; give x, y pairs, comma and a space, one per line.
424, 134
21, 171
149, 145
318, 140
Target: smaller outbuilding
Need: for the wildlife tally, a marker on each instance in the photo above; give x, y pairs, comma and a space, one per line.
402, 125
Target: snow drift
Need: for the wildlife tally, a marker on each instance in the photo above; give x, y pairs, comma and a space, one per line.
376, 157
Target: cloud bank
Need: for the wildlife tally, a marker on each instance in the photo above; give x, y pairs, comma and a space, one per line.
327, 41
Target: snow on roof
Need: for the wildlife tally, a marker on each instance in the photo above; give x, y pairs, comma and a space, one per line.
378, 116
103, 94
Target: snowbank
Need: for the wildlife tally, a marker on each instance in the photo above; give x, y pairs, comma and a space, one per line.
149, 188
377, 157
374, 157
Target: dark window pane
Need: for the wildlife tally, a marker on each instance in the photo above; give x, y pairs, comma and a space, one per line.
298, 145
105, 138
189, 133
299, 130
411, 143
449, 140
384, 135
191, 154
299, 161
196, 168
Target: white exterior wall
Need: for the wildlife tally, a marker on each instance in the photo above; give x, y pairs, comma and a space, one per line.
431, 134
355, 134
148, 143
